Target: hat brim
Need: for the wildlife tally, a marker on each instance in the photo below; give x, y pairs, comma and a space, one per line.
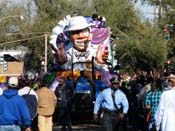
13, 85
115, 82
77, 27
171, 78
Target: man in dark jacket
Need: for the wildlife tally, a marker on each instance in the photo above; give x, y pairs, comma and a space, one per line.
31, 99
64, 97
13, 109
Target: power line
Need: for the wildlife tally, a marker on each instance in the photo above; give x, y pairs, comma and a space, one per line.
33, 33
10, 42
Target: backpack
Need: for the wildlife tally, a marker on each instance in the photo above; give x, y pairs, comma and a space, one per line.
31, 103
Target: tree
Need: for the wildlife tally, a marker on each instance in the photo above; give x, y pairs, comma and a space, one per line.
139, 46
134, 36
143, 50
167, 19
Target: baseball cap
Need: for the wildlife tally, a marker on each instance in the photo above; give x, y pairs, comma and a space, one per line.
13, 82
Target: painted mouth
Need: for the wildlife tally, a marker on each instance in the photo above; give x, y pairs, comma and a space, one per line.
81, 43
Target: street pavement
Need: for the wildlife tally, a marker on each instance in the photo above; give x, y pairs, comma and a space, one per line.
82, 127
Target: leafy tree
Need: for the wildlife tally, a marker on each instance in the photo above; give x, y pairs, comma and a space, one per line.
167, 19
135, 37
139, 45
142, 51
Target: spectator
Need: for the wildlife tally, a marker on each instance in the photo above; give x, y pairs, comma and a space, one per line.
142, 94
126, 91
64, 103
115, 106
31, 99
46, 106
152, 101
165, 114
13, 109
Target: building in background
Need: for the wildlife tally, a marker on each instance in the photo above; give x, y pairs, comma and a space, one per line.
11, 63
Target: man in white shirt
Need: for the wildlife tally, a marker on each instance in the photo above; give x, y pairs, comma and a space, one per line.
165, 114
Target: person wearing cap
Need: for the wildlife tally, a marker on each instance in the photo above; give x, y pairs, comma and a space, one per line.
45, 107
165, 114
76, 45
114, 104
14, 112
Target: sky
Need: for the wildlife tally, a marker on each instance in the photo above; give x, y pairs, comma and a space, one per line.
146, 10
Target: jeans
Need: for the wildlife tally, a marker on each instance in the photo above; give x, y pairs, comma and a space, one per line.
10, 128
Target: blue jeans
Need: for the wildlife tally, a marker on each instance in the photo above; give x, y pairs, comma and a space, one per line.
10, 128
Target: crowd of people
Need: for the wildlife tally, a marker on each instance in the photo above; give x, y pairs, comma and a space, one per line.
145, 102
122, 106
23, 108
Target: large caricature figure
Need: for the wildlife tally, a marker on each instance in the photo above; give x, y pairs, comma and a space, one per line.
73, 40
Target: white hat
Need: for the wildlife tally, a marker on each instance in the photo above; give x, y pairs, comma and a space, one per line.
77, 23
171, 78
13, 82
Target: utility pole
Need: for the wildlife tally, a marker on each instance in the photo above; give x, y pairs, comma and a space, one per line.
157, 14
45, 54
160, 10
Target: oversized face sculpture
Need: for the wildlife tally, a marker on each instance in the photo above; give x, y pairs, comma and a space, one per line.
80, 39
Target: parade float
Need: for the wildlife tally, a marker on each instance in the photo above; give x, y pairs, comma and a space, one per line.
97, 74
